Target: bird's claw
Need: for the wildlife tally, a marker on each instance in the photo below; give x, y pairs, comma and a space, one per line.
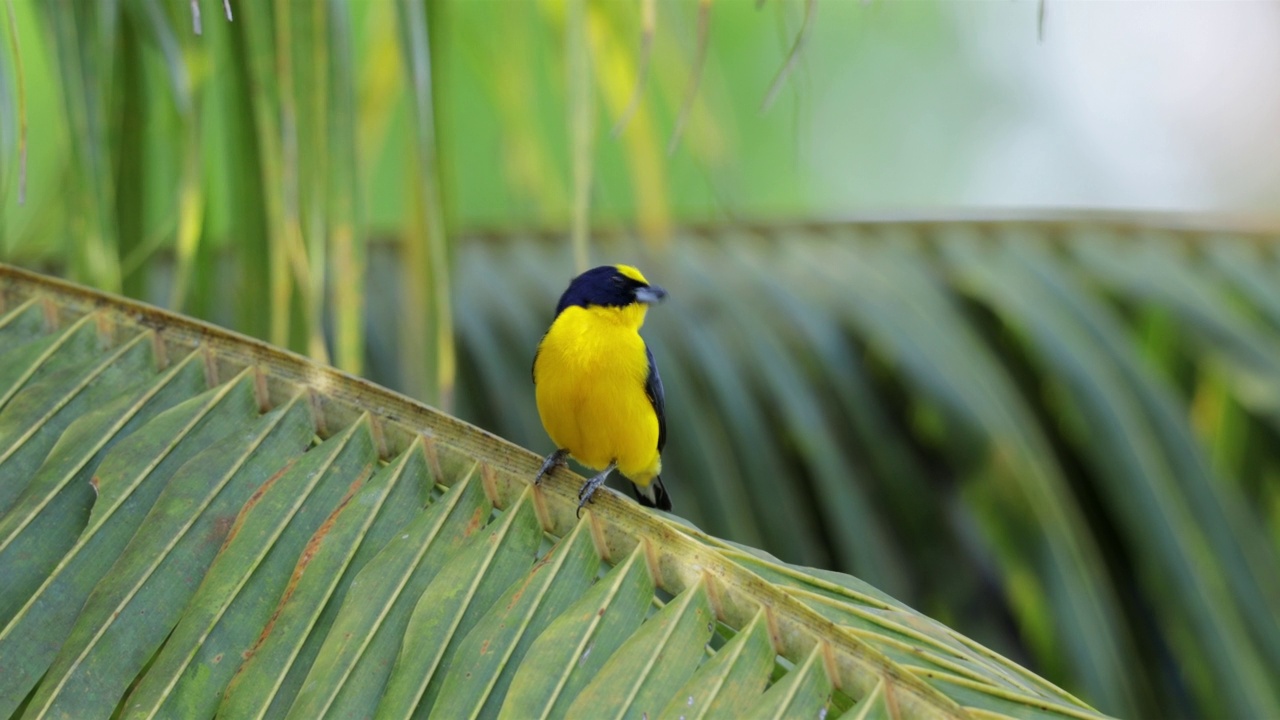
589, 488
584, 496
552, 461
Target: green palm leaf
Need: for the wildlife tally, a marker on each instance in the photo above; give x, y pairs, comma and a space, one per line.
266, 537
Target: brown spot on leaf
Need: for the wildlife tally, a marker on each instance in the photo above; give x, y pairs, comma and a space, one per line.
309, 552
515, 597
221, 526
476, 522
253, 500
484, 648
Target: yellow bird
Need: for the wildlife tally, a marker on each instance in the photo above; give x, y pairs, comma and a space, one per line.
598, 390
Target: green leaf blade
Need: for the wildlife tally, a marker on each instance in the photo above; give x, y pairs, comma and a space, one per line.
353, 664
803, 692
267, 683
453, 603
729, 684
139, 601
651, 666
486, 661
246, 580
125, 495
576, 645
53, 509
37, 415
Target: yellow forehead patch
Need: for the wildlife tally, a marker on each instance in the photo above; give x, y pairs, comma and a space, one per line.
632, 273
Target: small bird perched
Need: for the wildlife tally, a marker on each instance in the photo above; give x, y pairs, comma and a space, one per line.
598, 390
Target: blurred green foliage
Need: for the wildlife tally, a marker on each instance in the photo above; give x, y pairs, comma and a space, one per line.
1059, 437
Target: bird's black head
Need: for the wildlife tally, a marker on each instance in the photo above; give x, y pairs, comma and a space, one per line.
610, 286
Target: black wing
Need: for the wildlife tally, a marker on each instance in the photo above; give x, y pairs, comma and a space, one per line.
653, 388
533, 369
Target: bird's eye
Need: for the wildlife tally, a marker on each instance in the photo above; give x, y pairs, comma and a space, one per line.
619, 281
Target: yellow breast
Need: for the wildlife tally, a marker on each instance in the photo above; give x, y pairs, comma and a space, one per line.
590, 374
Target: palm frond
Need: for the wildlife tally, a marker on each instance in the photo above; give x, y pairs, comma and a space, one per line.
204, 498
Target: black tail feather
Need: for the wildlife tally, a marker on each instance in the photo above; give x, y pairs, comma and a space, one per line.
654, 496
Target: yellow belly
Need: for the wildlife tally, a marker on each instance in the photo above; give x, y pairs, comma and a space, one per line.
590, 375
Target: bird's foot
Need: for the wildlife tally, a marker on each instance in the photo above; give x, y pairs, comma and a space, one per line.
553, 461
589, 488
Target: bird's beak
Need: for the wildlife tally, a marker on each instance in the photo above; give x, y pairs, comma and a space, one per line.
650, 294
